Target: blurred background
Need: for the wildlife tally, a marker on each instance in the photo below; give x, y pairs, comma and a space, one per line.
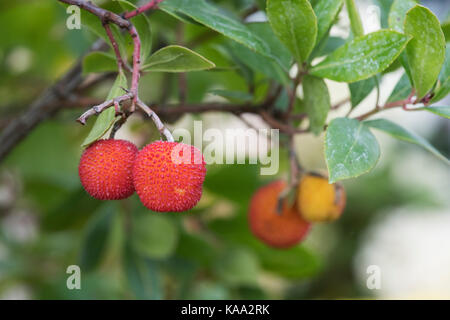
397, 216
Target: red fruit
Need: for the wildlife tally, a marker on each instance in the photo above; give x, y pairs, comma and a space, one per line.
168, 176
106, 169
277, 229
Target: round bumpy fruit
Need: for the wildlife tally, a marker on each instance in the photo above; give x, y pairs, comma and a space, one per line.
277, 229
106, 169
319, 201
168, 176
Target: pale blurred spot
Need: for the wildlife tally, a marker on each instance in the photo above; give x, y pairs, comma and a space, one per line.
20, 226
17, 292
19, 60
412, 248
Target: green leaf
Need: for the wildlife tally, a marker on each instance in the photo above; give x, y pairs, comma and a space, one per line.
355, 20
106, 119
401, 90
238, 267
233, 96
142, 24
426, 51
362, 57
317, 102
177, 59
397, 14
443, 88
360, 90
440, 111
327, 46
143, 276
154, 236
400, 133
350, 149
295, 24
99, 62
326, 12
214, 18
96, 237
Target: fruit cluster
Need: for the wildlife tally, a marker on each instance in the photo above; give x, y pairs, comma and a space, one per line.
279, 224
167, 176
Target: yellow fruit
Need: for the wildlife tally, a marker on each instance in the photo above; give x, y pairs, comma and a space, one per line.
319, 201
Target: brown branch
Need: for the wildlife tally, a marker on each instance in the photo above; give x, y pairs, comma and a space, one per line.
103, 106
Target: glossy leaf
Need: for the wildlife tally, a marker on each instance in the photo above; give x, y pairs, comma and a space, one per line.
397, 14
96, 236
295, 24
326, 12
426, 51
317, 102
105, 120
443, 88
360, 90
362, 57
355, 19
350, 149
401, 90
99, 62
402, 134
440, 111
214, 18
177, 59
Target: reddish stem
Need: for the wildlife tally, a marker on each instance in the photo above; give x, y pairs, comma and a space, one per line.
120, 62
136, 65
148, 6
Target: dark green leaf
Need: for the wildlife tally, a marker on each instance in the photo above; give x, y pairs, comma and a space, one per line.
143, 276
355, 20
238, 267
328, 45
400, 133
177, 59
401, 90
440, 111
362, 57
360, 90
295, 24
426, 51
96, 237
326, 12
317, 102
350, 149
214, 18
106, 119
99, 62
397, 14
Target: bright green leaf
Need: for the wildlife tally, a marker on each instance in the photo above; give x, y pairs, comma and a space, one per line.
96, 236
154, 235
355, 20
426, 51
400, 133
99, 62
106, 119
317, 102
295, 24
214, 18
350, 149
177, 59
443, 88
360, 90
397, 14
362, 57
440, 111
326, 12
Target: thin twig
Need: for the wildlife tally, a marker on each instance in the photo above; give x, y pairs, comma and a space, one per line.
120, 62
103, 106
153, 4
156, 120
